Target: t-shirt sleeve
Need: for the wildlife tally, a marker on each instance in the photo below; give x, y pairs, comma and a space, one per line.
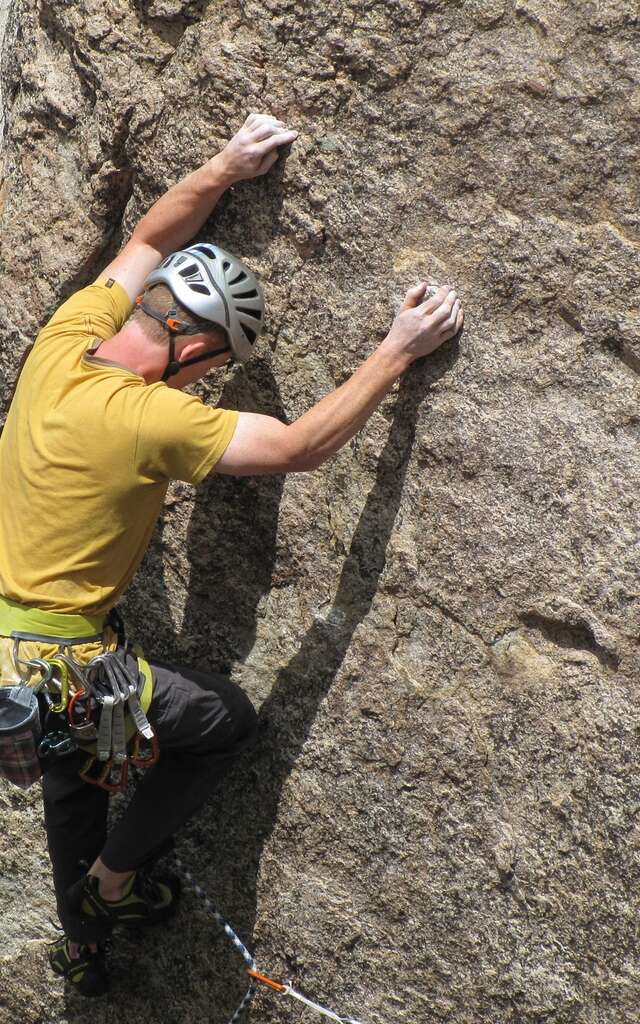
179, 437
99, 310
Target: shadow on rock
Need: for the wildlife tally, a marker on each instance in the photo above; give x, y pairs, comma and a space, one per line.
224, 845
248, 217
232, 541
231, 547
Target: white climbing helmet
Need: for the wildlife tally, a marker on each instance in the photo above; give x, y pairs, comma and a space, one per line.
214, 285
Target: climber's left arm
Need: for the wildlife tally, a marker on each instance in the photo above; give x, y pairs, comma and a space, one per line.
180, 213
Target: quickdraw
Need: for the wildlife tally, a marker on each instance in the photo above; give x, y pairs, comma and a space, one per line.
109, 682
80, 712
256, 976
106, 685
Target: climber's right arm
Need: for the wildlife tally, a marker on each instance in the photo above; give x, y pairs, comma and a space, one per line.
262, 444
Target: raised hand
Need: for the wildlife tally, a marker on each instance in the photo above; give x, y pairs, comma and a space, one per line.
254, 149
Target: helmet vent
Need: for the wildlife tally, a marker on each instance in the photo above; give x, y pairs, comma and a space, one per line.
255, 313
179, 261
206, 251
191, 273
251, 335
226, 265
239, 277
252, 294
200, 288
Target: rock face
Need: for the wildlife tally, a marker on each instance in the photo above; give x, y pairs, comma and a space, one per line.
442, 819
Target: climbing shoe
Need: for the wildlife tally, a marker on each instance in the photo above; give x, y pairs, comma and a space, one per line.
87, 974
145, 901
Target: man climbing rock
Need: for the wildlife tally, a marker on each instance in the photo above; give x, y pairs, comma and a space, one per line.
99, 424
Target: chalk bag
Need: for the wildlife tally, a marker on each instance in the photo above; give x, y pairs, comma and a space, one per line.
20, 733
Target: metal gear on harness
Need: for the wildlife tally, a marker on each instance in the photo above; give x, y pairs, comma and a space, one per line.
82, 728
57, 740
115, 690
49, 713
105, 697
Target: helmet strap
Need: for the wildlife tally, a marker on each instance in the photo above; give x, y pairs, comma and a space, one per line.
175, 328
173, 366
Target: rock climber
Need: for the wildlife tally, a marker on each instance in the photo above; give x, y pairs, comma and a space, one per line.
99, 424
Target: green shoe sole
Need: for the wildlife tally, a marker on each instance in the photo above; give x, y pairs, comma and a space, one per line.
87, 974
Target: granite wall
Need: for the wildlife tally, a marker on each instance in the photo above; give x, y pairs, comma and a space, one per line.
440, 626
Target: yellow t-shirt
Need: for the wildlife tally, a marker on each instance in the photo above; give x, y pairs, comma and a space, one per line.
86, 455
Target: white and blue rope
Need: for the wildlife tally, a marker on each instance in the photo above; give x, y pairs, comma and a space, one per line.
286, 988
229, 932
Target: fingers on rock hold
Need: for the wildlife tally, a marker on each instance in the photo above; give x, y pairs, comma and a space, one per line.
414, 295
280, 139
434, 298
443, 312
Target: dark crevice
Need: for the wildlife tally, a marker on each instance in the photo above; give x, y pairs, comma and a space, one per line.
573, 636
613, 341
121, 133
570, 318
43, 118
536, 22
449, 614
169, 29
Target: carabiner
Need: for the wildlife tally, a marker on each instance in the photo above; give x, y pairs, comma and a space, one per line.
45, 667
73, 667
145, 755
61, 706
98, 773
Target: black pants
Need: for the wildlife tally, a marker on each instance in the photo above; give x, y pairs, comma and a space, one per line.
203, 723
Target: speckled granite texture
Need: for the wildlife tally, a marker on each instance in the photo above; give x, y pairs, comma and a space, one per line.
442, 820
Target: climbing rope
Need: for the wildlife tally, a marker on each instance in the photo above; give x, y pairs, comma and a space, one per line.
257, 978
229, 932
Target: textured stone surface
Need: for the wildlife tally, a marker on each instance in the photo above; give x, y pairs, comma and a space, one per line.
442, 821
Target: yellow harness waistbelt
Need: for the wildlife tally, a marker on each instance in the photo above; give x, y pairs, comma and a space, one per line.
17, 620
46, 631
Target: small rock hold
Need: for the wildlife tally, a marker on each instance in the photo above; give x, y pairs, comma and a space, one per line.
487, 12
505, 856
330, 144
97, 28
536, 86
168, 8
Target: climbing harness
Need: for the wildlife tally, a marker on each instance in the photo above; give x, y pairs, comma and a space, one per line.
47, 720
99, 706
256, 976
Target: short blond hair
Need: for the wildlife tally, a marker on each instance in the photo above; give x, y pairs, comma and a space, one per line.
160, 300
